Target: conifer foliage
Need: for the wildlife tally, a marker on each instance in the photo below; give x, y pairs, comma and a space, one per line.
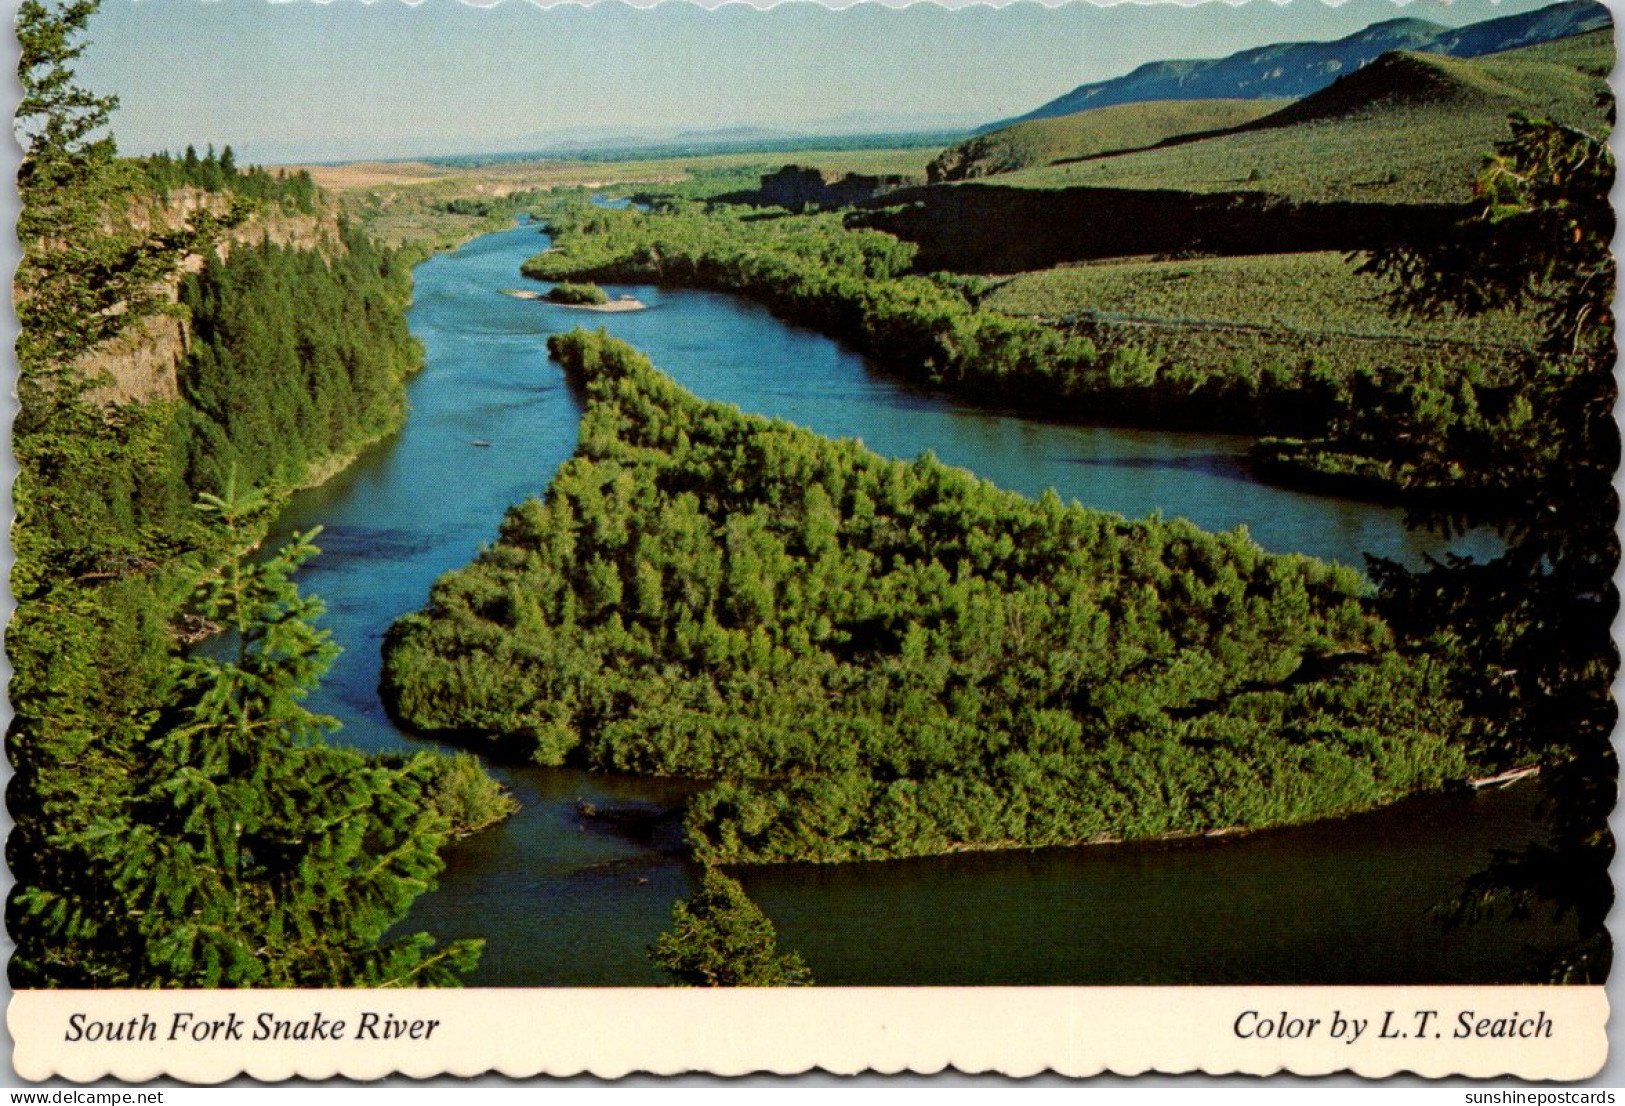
179, 821
720, 938
1530, 632
296, 358
251, 852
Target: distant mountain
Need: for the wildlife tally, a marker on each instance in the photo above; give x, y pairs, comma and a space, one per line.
852, 130
1291, 70
727, 134
1409, 128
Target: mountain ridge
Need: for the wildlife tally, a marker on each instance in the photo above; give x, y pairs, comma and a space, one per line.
1409, 128
1291, 70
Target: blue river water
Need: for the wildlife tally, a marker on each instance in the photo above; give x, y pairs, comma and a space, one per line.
567, 900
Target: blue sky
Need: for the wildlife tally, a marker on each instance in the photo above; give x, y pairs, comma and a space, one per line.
303, 80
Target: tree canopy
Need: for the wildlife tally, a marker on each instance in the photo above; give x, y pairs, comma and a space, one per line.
178, 819
249, 851
1530, 632
879, 658
720, 938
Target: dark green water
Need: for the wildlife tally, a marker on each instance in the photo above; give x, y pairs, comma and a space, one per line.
567, 900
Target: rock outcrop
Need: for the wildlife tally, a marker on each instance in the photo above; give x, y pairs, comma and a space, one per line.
141, 364
796, 187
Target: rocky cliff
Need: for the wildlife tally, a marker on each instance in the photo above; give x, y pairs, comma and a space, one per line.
141, 363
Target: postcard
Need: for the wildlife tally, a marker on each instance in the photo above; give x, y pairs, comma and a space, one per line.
560, 538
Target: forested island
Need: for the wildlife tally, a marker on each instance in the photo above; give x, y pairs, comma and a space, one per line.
891, 659
1509, 432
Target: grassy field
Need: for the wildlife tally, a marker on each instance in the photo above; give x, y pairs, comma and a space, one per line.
506, 177
1280, 307
1409, 128
407, 202
1086, 134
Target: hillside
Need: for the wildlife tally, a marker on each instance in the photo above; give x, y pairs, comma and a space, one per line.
194, 340
1291, 70
1411, 128
1090, 134
1269, 309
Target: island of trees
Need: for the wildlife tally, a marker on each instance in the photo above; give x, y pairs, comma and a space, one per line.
1474, 667
577, 295
879, 658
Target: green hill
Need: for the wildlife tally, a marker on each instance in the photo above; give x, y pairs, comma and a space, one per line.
1281, 309
1408, 128
1090, 134
1289, 70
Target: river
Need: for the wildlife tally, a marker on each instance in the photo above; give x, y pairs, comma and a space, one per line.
564, 900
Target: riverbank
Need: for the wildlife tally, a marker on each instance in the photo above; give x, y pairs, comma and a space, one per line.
861, 287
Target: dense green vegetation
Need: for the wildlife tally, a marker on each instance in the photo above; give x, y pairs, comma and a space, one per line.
719, 938
1409, 128
577, 295
178, 822
704, 182
296, 360
219, 173
246, 851
891, 659
1529, 633
936, 331
1089, 134
459, 789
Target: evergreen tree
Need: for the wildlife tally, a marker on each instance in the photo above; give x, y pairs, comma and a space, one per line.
180, 821
78, 284
719, 938
82, 472
75, 281
1530, 630
251, 853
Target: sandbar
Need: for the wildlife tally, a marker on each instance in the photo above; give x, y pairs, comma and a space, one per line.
625, 303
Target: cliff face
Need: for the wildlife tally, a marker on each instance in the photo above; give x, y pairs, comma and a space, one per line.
141, 364
988, 228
